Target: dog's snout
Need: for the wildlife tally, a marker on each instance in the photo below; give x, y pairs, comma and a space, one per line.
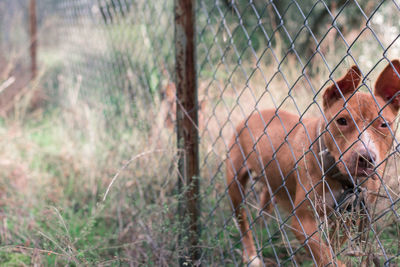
366, 159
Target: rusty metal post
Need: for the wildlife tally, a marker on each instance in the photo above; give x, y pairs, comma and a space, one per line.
33, 37
187, 128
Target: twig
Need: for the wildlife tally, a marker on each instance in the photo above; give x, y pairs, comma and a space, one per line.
126, 165
48, 252
7, 83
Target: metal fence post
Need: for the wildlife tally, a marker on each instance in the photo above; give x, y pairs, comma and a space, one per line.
187, 127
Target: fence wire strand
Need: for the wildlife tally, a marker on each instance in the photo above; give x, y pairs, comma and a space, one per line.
119, 57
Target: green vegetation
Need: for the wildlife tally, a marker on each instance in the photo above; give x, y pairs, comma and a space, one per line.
89, 178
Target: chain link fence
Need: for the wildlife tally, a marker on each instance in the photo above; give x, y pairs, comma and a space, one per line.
118, 64
281, 55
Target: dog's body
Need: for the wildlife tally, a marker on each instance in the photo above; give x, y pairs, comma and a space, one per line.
288, 153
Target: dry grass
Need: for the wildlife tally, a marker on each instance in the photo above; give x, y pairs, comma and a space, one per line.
58, 163
82, 184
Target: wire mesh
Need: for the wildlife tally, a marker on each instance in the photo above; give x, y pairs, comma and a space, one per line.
282, 55
118, 60
251, 56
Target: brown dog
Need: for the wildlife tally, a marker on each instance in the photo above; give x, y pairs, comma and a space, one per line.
305, 165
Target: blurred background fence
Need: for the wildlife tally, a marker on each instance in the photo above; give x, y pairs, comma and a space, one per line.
89, 145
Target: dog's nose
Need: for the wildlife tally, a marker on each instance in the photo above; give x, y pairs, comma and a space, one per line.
366, 159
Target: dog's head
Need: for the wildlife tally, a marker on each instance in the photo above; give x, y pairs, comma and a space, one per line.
359, 124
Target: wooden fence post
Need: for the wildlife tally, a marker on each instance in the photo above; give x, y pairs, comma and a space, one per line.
187, 128
33, 37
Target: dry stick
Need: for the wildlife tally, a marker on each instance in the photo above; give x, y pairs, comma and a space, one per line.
7, 83
48, 252
126, 165
186, 113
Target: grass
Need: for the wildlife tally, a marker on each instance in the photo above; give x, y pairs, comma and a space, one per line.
90, 178
56, 167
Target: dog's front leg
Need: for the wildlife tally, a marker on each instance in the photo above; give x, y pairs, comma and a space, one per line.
305, 228
249, 249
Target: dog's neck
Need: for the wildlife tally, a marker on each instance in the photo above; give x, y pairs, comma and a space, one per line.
328, 162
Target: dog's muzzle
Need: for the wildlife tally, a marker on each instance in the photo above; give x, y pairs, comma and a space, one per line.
363, 166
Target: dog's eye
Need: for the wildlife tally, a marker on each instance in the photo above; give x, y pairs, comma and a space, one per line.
384, 125
341, 121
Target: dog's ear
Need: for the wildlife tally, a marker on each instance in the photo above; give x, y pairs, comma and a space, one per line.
347, 84
388, 84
